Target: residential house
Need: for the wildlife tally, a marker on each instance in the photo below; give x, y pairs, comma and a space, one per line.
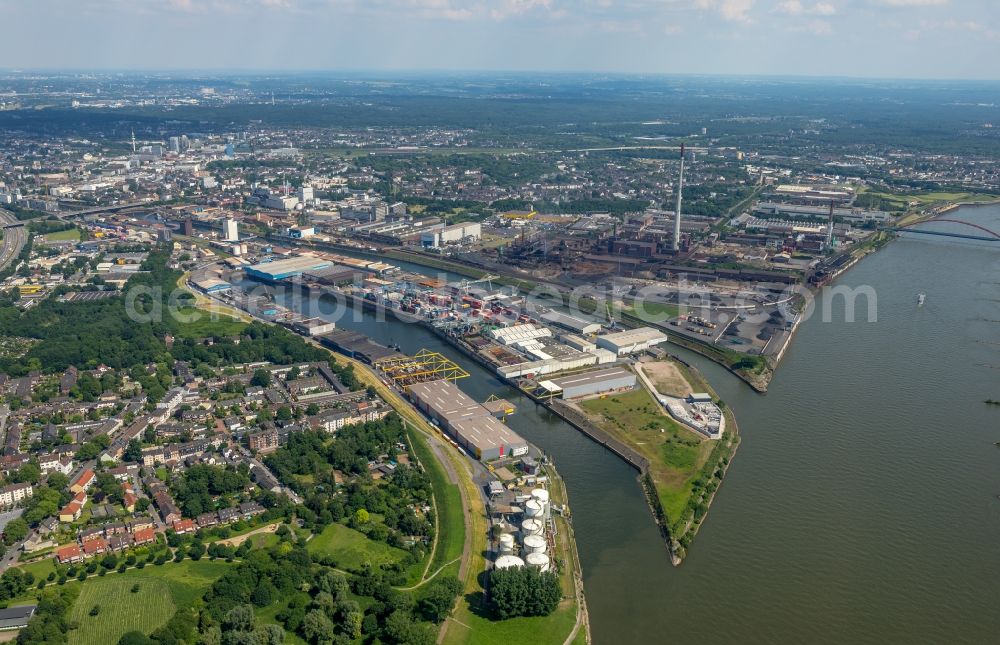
14, 494
83, 482
69, 554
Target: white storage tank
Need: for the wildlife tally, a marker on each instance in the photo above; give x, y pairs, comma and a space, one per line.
533, 509
538, 560
531, 526
541, 496
534, 544
506, 543
508, 562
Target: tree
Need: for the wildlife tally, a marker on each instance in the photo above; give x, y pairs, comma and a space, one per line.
29, 472
134, 638
361, 516
316, 627
261, 378
439, 598
15, 531
524, 591
133, 451
57, 480
400, 628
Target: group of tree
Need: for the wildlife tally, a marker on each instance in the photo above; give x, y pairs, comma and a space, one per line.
523, 591
206, 487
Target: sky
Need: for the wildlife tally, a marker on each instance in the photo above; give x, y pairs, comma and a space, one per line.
939, 39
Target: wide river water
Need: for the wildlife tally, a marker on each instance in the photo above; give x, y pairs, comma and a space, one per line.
862, 505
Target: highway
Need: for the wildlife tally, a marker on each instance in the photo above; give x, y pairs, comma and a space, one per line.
14, 239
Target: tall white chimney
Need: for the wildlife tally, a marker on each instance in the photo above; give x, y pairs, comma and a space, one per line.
677, 215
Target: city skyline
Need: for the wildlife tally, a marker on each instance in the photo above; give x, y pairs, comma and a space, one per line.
932, 39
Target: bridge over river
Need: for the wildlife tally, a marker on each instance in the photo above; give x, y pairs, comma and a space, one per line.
990, 235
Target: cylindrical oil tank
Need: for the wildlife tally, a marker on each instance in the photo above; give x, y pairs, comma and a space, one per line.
506, 543
541, 496
537, 560
534, 544
532, 526
533, 509
508, 562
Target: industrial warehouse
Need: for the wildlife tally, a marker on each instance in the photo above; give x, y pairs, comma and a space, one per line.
631, 341
281, 269
470, 424
577, 386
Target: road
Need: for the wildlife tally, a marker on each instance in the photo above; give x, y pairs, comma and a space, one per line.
13, 240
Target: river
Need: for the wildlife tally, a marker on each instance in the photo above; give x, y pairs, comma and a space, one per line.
862, 505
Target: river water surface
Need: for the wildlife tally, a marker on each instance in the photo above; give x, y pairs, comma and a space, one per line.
862, 505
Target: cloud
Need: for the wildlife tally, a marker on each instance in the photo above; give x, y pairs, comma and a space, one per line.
912, 3
796, 8
507, 8
731, 10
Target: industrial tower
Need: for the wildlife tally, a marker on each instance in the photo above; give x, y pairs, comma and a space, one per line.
829, 228
677, 215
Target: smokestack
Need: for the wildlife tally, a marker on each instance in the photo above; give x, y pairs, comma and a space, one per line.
829, 228
677, 215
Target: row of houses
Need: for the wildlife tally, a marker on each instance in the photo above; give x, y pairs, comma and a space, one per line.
99, 545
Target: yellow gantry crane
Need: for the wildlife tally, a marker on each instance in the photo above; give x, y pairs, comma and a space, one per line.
423, 366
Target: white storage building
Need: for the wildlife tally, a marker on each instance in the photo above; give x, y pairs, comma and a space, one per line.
632, 341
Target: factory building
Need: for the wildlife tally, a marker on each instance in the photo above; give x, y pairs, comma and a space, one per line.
281, 269
614, 379
470, 424
572, 323
313, 326
212, 285
519, 333
631, 341
471, 231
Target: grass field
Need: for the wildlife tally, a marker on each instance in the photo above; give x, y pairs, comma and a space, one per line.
675, 453
71, 235
121, 610
202, 324
161, 590
352, 549
480, 630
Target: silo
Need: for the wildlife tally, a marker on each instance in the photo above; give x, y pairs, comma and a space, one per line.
506, 543
533, 509
508, 562
534, 544
537, 560
541, 496
532, 526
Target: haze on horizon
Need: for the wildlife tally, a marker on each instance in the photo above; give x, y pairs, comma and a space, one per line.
941, 39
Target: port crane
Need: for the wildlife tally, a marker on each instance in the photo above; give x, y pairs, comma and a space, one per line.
488, 279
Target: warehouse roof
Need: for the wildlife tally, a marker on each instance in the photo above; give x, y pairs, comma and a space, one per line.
297, 264
12, 617
632, 336
444, 397
486, 433
586, 378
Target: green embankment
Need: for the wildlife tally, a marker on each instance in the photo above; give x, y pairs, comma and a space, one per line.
448, 500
